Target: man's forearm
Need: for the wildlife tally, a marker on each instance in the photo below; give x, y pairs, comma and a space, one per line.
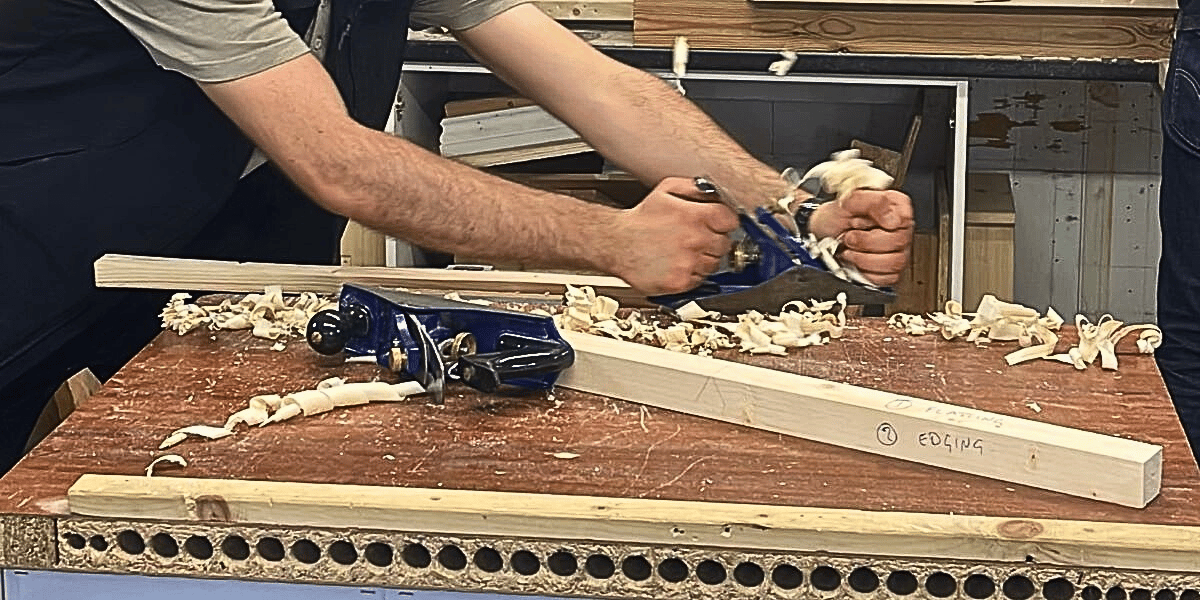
393, 186
653, 132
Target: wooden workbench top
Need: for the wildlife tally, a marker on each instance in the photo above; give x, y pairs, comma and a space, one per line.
507, 443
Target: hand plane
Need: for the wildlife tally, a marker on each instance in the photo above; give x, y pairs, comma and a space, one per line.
431, 339
769, 267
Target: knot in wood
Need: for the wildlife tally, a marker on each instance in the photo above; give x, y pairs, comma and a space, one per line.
213, 508
1020, 529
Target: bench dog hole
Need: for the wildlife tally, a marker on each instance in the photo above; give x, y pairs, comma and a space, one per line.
75, 541
270, 549
673, 570
416, 556
1019, 587
787, 577
1060, 589
941, 585
98, 543
488, 560
164, 545
306, 551
235, 547
198, 547
636, 568
452, 557
979, 587
825, 578
902, 583
525, 562
131, 542
562, 563
863, 580
1115, 593
379, 554
710, 572
343, 553
748, 574
599, 566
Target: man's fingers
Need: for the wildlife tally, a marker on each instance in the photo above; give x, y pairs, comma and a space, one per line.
877, 241
887, 209
719, 218
684, 188
876, 264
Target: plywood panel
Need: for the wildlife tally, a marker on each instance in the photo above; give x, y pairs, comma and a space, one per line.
984, 30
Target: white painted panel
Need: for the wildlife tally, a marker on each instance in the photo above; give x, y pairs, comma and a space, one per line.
1131, 294
1066, 242
1033, 199
1132, 219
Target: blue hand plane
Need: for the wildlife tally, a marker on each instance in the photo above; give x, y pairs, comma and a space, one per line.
769, 267
430, 339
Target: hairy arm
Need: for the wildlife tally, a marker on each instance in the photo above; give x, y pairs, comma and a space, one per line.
294, 113
628, 115
640, 123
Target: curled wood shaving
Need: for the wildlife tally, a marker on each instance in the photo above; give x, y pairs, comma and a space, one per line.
800, 324
268, 315
782, 66
166, 458
995, 320
205, 431
679, 61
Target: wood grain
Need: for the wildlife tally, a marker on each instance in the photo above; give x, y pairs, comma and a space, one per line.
589, 10
508, 442
577, 518
981, 30
1113, 5
1023, 451
114, 270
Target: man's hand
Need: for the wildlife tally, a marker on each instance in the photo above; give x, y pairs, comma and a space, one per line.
875, 228
668, 243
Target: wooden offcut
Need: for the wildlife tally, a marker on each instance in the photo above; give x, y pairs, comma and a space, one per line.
124, 271
642, 521
589, 10
1138, 30
1012, 449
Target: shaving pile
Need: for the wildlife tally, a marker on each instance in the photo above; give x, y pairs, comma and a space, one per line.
996, 321
785, 64
698, 331
272, 408
267, 315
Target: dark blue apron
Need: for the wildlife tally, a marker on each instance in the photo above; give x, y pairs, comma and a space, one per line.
103, 151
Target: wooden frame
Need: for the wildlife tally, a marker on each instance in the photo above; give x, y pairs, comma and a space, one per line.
714, 525
1033, 453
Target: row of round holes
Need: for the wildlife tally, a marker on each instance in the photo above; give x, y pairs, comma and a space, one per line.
637, 568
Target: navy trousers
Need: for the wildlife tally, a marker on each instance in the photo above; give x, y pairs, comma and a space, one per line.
1179, 217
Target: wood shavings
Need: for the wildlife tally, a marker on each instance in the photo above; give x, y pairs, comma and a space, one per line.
998, 321
205, 431
458, 298
166, 458
1034, 406
679, 60
782, 66
268, 315
845, 172
799, 325
565, 455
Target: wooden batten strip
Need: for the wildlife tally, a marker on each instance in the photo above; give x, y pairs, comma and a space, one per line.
1052, 457
590, 10
638, 521
114, 270
1108, 6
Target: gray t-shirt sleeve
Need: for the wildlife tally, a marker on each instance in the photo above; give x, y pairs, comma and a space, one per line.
209, 40
457, 15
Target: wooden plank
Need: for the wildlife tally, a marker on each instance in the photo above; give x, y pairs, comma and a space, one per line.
643, 521
1106, 5
916, 292
115, 270
1033, 453
589, 10
474, 106
978, 30
515, 155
